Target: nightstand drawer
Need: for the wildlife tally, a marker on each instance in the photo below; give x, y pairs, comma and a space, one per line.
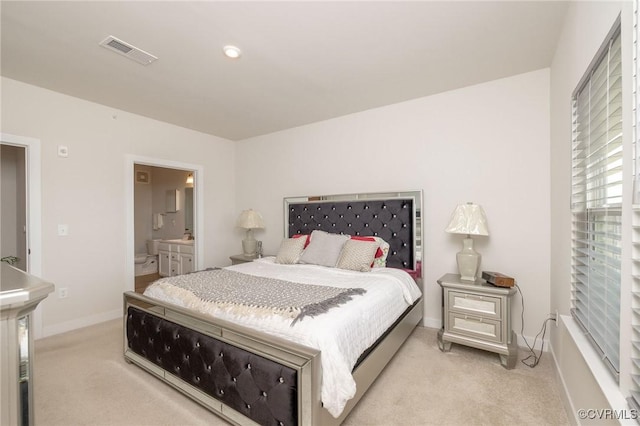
474, 304
475, 326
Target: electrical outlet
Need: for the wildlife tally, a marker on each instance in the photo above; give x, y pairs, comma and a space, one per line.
63, 293
63, 230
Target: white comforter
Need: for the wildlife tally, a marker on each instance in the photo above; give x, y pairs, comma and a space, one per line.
343, 333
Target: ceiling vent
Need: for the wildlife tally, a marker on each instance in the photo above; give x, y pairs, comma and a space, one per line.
127, 50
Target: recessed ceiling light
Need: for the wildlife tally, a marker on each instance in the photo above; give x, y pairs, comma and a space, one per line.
232, 52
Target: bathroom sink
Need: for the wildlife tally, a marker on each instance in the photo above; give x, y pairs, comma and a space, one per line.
179, 241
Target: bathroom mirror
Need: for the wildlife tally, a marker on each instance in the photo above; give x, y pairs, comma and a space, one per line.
188, 210
172, 200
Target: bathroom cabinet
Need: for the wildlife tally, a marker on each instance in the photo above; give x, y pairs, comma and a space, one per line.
175, 257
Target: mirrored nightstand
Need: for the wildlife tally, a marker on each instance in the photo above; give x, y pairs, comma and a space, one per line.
477, 314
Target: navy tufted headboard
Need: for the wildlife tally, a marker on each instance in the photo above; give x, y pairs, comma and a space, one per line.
393, 220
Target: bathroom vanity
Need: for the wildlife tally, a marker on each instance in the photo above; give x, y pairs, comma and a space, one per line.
175, 257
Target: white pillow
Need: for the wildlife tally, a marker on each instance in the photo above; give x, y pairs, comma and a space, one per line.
324, 248
358, 255
290, 250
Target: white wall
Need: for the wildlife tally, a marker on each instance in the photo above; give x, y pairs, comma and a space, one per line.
86, 191
487, 143
482, 144
586, 27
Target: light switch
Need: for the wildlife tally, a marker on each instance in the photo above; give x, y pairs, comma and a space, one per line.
63, 230
63, 151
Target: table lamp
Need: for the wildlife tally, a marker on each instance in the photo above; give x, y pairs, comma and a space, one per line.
249, 220
468, 219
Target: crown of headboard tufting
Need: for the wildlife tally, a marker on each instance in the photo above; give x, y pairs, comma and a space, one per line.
394, 219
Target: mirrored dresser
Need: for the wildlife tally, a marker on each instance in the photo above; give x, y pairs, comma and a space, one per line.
20, 294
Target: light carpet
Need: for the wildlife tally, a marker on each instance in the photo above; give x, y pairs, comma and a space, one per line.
81, 378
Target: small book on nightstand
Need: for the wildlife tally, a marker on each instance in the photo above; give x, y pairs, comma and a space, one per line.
498, 279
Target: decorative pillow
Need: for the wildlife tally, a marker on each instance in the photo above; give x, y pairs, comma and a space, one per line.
357, 255
306, 240
378, 252
290, 250
380, 260
324, 249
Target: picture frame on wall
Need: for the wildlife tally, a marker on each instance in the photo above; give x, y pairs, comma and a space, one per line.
143, 177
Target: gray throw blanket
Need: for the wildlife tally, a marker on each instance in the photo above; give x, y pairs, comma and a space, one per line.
251, 295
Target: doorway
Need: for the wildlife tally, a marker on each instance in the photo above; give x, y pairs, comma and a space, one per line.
164, 203
13, 209
163, 211
23, 193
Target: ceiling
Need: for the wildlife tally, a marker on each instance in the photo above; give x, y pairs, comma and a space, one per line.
302, 62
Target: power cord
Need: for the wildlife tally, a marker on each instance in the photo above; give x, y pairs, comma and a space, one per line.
533, 359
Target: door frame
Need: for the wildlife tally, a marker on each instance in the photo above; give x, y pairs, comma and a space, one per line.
33, 179
198, 209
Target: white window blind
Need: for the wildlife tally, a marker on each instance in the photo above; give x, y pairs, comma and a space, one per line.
634, 399
596, 202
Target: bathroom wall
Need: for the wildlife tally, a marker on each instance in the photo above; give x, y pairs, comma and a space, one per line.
164, 180
142, 210
150, 198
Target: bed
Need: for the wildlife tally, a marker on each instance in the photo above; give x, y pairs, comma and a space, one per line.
277, 368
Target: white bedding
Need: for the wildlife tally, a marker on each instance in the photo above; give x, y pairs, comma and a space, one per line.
343, 333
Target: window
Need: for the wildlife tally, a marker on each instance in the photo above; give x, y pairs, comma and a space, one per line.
634, 398
596, 201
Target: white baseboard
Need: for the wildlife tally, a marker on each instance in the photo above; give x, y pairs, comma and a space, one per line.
432, 322
80, 323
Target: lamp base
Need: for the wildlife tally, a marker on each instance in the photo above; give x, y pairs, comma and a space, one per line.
468, 261
249, 247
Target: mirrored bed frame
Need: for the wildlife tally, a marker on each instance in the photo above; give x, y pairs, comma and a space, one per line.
249, 377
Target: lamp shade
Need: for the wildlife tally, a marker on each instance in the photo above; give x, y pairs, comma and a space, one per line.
250, 219
468, 219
